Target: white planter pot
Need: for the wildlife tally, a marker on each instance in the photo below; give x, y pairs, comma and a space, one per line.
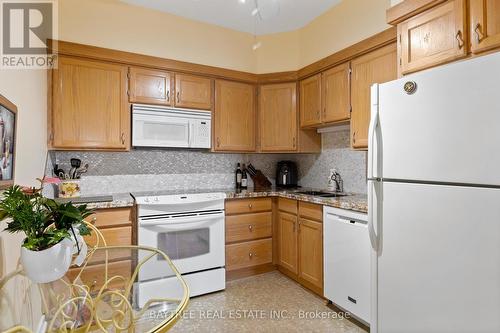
50, 264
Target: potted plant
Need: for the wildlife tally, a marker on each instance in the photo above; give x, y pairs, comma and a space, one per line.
53, 231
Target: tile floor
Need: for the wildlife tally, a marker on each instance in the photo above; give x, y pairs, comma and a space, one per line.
268, 302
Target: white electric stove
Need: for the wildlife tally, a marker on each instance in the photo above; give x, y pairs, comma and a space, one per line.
189, 228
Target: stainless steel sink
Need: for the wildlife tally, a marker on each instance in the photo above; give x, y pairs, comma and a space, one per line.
322, 194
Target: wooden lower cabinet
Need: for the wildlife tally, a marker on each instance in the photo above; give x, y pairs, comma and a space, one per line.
248, 254
301, 243
249, 226
311, 254
94, 276
117, 227
288, 248
249, 237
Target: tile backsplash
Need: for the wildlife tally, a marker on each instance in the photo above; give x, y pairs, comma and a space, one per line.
142, 169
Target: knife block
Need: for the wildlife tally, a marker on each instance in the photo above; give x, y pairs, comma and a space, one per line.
260, 181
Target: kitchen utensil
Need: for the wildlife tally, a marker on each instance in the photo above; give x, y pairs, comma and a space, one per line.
57, 171
75, 164
81, 171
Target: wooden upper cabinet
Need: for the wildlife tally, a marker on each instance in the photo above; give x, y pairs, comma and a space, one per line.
484, 24
375, 67
234, 116
150, 86
336, 94
90, 108
434, 37
193, 92
310, 101
311, 253
288, 246
278, 117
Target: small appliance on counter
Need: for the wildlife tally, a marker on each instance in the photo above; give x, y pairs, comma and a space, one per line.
286, 174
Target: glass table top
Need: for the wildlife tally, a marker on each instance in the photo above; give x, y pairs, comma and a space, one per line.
118, 288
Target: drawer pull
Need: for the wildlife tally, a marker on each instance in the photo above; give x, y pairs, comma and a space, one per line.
250, 205
250, 227
93, 220
250, 255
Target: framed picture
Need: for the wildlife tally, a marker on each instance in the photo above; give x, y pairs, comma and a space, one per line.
8, 122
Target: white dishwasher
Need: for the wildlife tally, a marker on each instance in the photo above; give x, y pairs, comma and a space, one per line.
346, 258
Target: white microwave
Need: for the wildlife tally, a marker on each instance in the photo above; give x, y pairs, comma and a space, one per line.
157, 126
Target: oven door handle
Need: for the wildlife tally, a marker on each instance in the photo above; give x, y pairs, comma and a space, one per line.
181, 223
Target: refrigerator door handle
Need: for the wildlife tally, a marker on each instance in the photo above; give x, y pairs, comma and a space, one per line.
372, 214
372, 132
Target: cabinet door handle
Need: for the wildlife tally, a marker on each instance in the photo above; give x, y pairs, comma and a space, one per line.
123, 138
298, 226
168, 95
218, 142
354, 137
460, 40
294, 142
178, 96
294, 226
478, 32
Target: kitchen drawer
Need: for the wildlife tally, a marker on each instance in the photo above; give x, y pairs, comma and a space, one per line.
248, 226
253, 205
113, 237
311, 211
287, 205
95, 275
110, 217
249, 254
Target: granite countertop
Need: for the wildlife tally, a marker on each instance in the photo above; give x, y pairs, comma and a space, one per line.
355, 202
115, 201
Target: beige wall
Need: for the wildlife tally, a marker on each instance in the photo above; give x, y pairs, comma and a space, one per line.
116, 25
113, 24
27, 89
345, 24
278, 53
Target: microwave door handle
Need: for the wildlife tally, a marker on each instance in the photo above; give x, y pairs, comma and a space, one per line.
191, 132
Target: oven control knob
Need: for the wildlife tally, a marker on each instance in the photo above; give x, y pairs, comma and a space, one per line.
146, 200
156, 199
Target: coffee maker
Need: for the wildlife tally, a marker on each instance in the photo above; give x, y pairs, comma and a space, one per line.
286, 174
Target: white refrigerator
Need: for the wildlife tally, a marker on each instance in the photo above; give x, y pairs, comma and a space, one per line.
434, 200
